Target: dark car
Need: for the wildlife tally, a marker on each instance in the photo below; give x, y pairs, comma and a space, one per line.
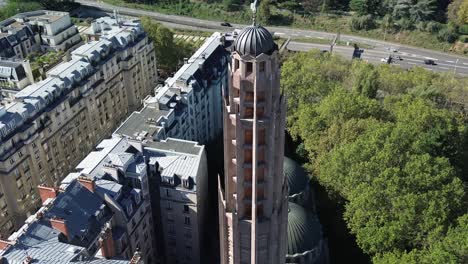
226, 24
429, 62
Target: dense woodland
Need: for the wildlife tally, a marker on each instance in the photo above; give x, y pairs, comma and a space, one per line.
382, 141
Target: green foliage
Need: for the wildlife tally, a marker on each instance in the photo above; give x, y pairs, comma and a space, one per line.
451, 248
365, 79
448, 34
365, 7
168, 52
264, 12
397, 163
17, 6
366, 22
233, 5
433, 27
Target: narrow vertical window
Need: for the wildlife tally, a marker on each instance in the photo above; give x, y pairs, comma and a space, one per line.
249, 67
262, 66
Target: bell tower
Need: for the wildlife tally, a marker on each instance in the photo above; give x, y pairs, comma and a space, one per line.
253, 204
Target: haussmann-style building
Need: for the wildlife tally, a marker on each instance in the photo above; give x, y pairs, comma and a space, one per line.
53, 124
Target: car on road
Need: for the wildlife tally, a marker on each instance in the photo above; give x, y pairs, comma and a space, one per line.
392, 49
429, 62
387, 60
226, 24
398, 58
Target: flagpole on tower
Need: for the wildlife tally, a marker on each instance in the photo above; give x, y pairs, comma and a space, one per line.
253, 7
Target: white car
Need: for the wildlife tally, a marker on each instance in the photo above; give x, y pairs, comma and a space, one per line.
386, 60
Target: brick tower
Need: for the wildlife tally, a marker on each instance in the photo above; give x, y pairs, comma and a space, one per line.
253, 204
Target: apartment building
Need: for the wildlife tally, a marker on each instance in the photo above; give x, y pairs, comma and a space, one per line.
75, 225
179, 180
54, 123
14, 76
117, 172
37, 31
188, 106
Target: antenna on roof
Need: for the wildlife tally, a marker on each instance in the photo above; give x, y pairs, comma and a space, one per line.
253, 7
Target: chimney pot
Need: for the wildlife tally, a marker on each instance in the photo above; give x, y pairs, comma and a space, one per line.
60, 225
87, 183
46, 193
4, 244
107, 244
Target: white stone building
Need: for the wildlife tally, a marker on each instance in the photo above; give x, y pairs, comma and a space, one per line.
188, 106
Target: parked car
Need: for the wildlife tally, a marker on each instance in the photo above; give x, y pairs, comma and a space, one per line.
429, 62
226, 24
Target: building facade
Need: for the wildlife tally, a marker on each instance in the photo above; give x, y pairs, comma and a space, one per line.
188, 106
117, 172
178, 171
75, 225
15, 75
54, 123
37, 31
253, 197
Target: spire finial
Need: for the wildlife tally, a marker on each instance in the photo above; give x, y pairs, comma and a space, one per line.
253, 6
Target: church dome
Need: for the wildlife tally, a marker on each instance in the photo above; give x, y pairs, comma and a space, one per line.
304, 230
254, 40
295, 175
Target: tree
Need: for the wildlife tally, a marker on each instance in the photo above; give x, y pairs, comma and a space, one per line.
16, 6
232, 5
462, 14
364, 79
452, 10
451, 248
264, 12
423, 10
397, 164
365, 7
168, 53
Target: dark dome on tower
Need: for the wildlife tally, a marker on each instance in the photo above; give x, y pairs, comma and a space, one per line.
255, 40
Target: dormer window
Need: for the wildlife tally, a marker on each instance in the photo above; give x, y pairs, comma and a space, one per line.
129, 209
137, 198
186, 183
99, 215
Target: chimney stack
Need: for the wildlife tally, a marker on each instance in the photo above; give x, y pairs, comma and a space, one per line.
4, 244
47, 192
59, 224
87, 183
107, 244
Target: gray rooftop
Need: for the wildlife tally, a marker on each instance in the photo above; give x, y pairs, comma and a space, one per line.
189, 69
61, 78
78, 207
176, 158
176, 145
42, 244
143, 123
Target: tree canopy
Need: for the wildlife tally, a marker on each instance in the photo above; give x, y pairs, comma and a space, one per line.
389, 152
168, 52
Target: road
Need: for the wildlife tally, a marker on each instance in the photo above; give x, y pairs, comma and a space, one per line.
374, 56
412, 56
